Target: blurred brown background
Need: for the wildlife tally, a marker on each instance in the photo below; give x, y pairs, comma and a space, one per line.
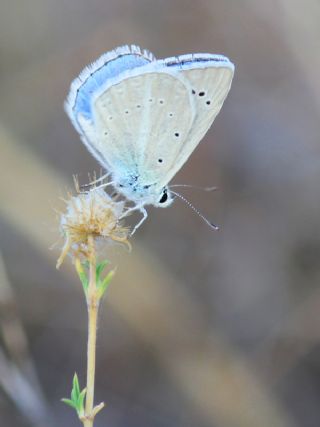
198, 328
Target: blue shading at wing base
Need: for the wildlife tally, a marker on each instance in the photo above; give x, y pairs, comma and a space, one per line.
99, 76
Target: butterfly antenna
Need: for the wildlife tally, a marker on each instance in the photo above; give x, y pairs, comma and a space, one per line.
194, 186
211, 225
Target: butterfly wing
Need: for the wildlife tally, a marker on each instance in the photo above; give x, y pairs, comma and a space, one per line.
141, 122
78, 104
208, 79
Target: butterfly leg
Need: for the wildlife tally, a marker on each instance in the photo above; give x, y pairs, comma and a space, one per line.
145, 215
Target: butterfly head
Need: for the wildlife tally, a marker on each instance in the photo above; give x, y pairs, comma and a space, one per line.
144, 194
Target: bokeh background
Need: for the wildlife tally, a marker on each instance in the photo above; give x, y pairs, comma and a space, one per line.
199, 328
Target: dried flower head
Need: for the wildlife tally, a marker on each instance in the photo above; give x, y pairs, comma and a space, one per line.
92, 213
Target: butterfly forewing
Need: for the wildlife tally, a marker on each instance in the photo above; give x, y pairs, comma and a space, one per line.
208, 88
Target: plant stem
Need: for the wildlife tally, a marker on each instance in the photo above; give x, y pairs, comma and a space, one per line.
92, 306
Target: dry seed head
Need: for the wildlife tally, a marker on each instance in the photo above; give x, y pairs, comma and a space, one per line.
92, 213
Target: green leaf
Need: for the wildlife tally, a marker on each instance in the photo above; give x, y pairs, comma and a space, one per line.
70, 403
75, 385
103, 284
74, 397
84, 281
82, 275
81, 401
77, 397
100, 267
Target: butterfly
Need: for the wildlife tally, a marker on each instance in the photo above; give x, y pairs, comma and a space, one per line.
141, 118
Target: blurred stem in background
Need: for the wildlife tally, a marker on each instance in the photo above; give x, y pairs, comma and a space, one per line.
18, 374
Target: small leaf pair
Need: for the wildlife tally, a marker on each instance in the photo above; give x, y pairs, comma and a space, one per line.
77, 397
102, 283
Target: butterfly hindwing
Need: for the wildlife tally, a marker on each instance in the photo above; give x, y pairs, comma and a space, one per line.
141, 124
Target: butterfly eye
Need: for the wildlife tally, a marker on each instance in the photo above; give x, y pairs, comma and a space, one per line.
164, 197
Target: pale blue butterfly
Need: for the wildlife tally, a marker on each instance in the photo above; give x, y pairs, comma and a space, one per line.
141, 118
